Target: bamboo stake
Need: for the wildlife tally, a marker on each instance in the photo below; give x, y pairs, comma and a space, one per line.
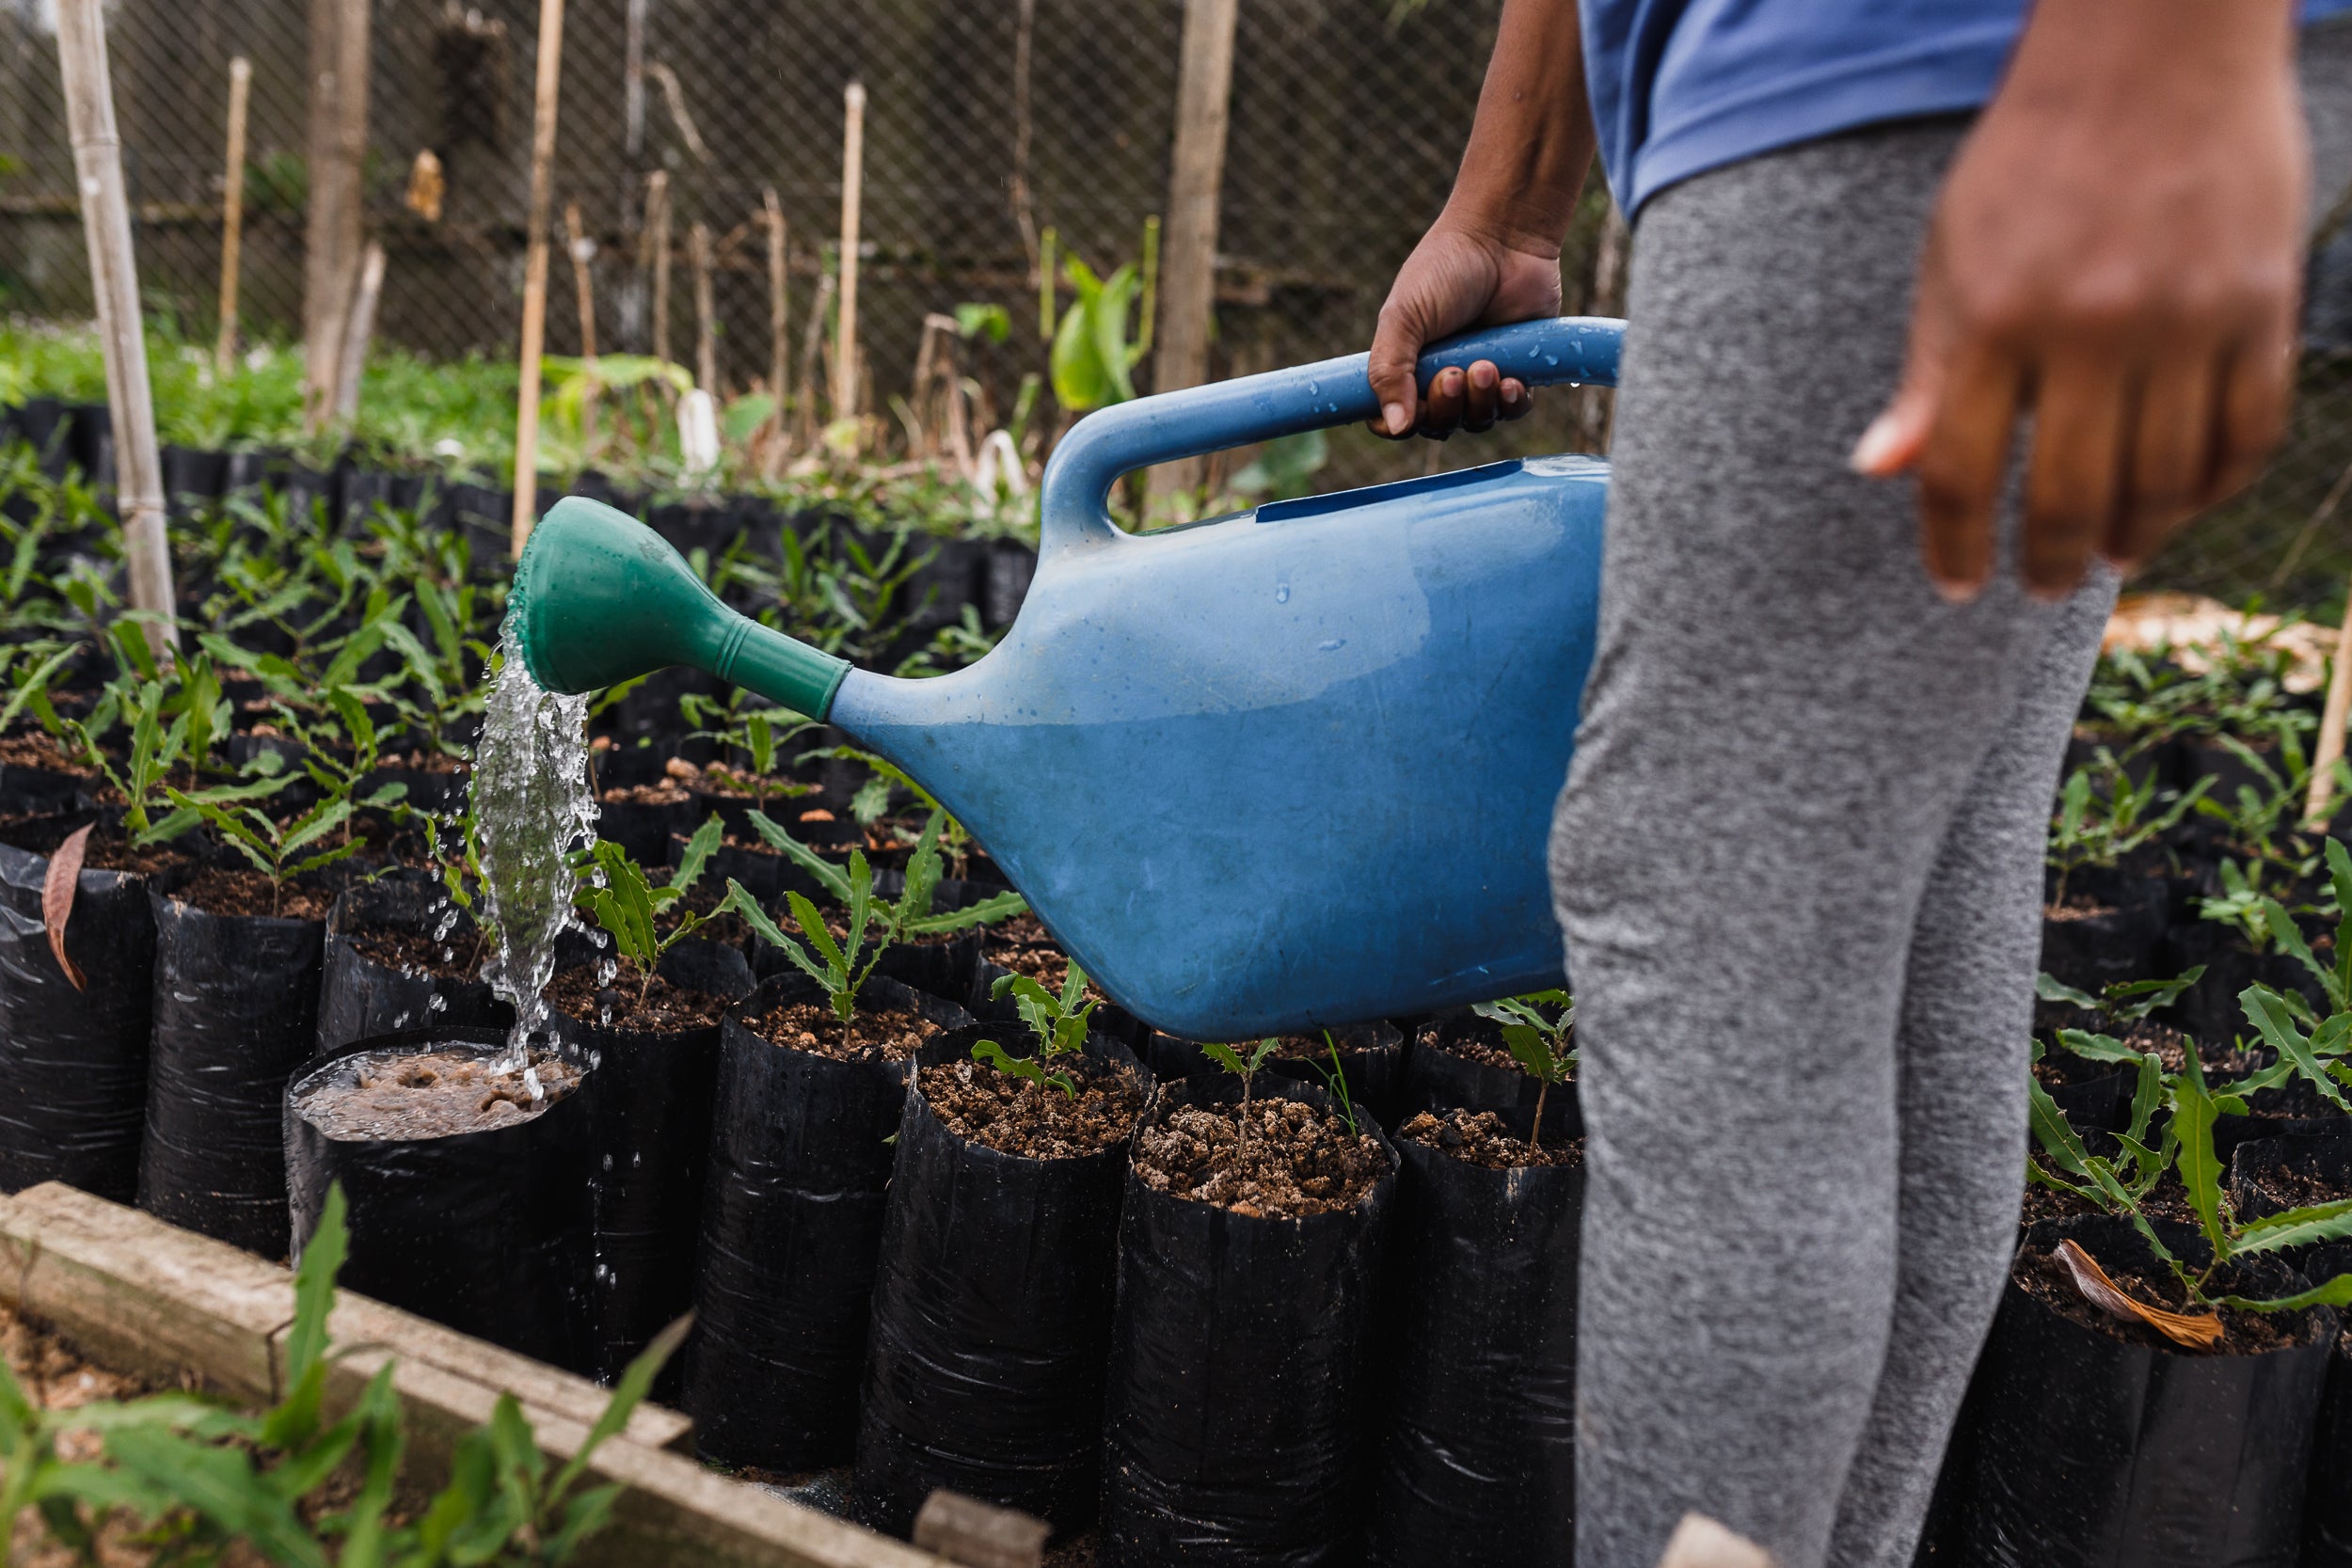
114, 284
232, 211
705, 311
812, 349
550, 56
853, 197
1023, 205
658, 239
351, 362
779, 285
2332, 725
1196, 186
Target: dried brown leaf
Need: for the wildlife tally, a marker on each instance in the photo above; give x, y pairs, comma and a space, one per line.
2197, 1330
57, 897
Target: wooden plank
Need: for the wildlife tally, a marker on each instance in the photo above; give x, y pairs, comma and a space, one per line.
148, 1297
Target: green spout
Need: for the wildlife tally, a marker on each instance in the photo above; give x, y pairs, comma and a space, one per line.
600, 599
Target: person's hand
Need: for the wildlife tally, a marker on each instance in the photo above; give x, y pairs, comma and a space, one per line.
1455, 279
2117, 251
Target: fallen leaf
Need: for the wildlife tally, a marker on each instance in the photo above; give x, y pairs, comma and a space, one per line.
57, 897
2198, 1330
818, 816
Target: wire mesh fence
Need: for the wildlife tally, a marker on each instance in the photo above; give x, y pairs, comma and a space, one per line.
988, 124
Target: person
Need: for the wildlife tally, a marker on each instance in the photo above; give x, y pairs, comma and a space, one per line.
2048, 262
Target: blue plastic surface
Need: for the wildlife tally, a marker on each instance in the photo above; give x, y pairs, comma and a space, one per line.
1295, 766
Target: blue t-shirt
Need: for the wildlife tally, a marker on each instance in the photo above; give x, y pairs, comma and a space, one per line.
1683, 86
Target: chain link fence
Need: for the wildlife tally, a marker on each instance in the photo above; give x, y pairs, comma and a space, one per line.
989, 122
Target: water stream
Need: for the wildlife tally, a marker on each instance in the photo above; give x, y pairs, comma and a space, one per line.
531, 806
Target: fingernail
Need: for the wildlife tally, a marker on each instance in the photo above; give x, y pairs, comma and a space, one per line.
1952, 590
1876, 449
1393, 418
1482, 374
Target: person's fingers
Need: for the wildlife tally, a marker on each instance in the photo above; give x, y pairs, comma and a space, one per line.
2082, 427
1518, 402
1962, 457
1396, 345
2257, 391
1481, 396
1442, 410
2171, 445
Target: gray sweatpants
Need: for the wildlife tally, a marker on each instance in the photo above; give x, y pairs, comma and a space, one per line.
1798, 866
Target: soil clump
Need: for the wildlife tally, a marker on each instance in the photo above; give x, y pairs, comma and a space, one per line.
1038, 1121
1479, 1138
811, 1026
1286, 1161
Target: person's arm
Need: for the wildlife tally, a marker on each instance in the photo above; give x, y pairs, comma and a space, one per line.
1493, 255
2118, 252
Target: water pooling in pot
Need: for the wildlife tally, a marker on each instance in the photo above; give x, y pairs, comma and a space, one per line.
532, 805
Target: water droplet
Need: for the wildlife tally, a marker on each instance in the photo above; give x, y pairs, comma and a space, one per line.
607, 1162
1281, 593
1333, 645
1551, 359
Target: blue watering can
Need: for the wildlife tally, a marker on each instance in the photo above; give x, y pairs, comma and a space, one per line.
1261, 773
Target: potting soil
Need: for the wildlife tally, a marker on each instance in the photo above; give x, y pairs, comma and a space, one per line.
2043, 1278
811, 1026
1282, 1159
430, 1095
622, 1000
1015, 1116
1479, 1138
532, 805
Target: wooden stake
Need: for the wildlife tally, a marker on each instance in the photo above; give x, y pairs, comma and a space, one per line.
1023, 204
583, 287
779, 285
1194, 190
812, 349
114, 283
2332, 725
577, 246
657, 242
338, 142
351, 361
706, 311
550, 53
232, 212
853, 196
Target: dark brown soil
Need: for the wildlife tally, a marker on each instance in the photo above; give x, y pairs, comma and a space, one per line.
667, 792
666, 1007
2167, 1201
236, 890
811, 1026
1037, 1121
1293, 1161
1304, 1047
433, 1094
1022, 946
2041, 1275
1479, 1138
106, 851
2298, 1189
1022, 928
39, 749
422, 761
461, 957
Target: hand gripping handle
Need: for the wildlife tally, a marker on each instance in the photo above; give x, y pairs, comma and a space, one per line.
1130, 435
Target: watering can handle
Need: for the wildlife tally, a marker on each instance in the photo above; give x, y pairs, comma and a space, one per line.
1130, 435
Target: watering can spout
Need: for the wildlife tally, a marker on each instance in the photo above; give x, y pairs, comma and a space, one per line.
600, 599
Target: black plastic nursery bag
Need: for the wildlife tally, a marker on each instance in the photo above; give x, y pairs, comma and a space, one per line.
992, 1318
235, 1015
1236, 1422
1477, 1461
2092, 1452
800, 1154
360, 996
486, 1232
73, 1060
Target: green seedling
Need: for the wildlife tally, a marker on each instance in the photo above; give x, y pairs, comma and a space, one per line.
1537, 1043
2065, 1164
208, 1483
2127, 1002
1335, 1079
2099, 826
1023, 1067
840, 967
630, 908
913, 915
1244, 1068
